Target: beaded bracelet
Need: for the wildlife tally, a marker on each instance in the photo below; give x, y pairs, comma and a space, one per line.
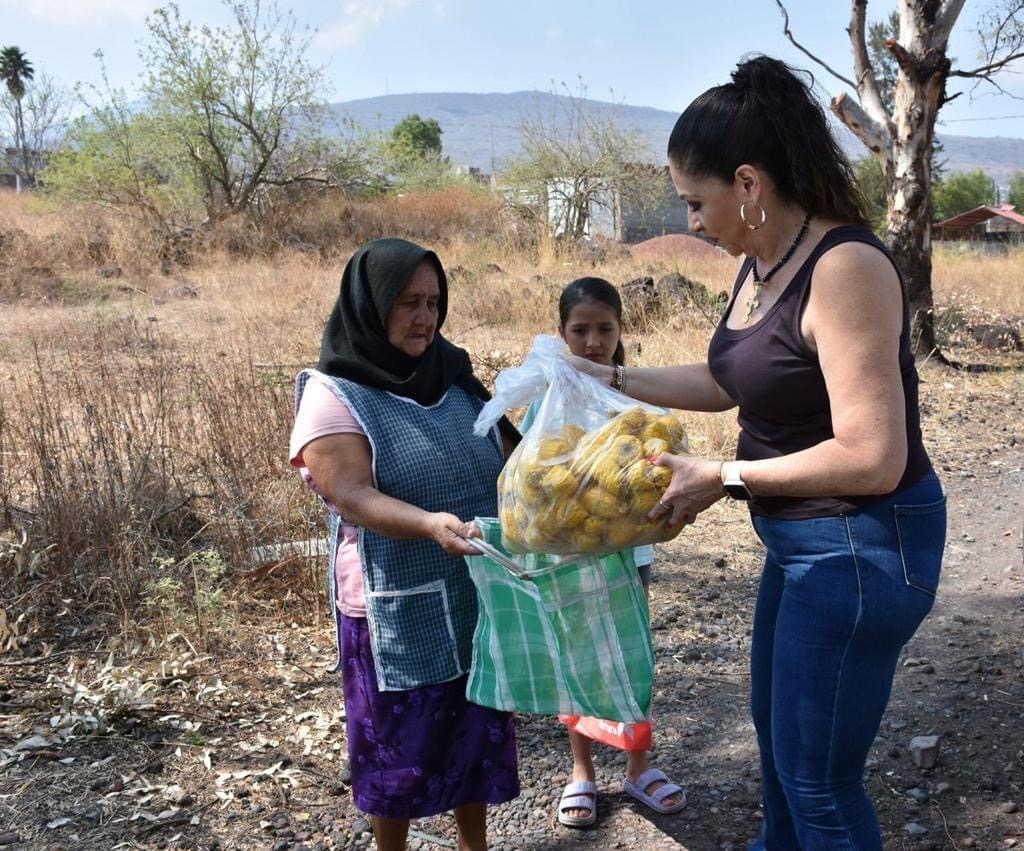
618, 381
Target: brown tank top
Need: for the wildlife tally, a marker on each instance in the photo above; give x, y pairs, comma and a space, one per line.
775, 378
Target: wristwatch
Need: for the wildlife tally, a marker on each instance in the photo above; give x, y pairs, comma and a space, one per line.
733, 482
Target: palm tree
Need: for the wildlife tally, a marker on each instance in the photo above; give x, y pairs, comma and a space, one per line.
15, 71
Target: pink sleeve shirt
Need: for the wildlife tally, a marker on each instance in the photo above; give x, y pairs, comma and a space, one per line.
321, 413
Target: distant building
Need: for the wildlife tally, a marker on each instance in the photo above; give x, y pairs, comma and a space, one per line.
8, 176
991, 224
473, 172
611, 214
667, 215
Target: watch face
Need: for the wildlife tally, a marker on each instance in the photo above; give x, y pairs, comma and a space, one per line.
737, 491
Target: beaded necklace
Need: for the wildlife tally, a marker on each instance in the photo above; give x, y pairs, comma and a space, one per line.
754, 302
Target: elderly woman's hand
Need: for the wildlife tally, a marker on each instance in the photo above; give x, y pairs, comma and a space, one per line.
450, 532
696, 484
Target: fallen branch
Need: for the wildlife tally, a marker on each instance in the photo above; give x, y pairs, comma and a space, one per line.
265, 570
945, 827
277, 552
37, 660
173, 821
973, 658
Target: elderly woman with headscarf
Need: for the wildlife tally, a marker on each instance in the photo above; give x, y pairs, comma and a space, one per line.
384, 433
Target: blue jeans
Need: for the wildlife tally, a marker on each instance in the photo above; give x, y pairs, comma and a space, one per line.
839, 598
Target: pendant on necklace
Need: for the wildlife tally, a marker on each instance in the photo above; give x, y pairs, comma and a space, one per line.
753, 303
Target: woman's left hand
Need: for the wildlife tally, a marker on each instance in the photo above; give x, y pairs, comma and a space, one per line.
696, 484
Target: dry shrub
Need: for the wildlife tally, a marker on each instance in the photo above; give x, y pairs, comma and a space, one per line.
989, 283
123, 461
434, 217
489, 298
330, 224
79, 238
327, 224
52, 253
236, 236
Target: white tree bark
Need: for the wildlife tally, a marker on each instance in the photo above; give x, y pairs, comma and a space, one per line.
903, 140
920, 52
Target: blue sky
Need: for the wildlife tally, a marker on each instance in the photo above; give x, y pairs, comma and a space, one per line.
657, 54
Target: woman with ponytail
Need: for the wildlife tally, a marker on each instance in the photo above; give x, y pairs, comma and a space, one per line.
814, 350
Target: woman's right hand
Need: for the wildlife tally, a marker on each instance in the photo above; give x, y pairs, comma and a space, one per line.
448, 531
602, 372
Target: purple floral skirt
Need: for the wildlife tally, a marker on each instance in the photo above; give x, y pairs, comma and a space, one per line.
423, 751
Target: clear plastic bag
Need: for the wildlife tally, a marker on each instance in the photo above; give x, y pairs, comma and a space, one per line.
582, 480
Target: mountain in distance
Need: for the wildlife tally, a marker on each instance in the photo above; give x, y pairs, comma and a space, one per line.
482, 130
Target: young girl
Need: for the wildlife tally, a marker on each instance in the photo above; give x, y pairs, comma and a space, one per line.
590, 322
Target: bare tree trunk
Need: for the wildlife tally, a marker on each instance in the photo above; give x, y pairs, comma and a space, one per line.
903, 141
618, 226
920, 93
908, 244
19, 143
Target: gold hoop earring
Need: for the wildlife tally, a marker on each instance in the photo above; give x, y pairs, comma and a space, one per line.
743, 215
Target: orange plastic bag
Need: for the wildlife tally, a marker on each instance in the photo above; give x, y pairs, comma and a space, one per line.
625, 737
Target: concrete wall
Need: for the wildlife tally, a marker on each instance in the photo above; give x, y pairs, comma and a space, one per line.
614, 218
669, 216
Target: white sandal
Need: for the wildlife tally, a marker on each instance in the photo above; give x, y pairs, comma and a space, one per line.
579, 795
656, 800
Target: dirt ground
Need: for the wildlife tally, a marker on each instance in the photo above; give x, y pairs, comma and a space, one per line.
104, 747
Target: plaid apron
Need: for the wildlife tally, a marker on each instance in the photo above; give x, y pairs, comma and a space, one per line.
568, 637
420, 603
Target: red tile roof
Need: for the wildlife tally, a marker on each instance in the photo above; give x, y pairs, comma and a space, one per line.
983, 214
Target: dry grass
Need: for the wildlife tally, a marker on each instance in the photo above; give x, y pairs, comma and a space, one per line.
991, 283
126, 455
144, 418
69, 240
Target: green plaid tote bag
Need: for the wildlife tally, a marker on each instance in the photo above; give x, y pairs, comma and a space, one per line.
560, 635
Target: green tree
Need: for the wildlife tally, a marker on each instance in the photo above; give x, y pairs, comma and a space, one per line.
871, 180
15, 71
417, 136
242, 101
230, 113
1016, 196
962, 191
355, 158
126, 160
882, 60
411, 155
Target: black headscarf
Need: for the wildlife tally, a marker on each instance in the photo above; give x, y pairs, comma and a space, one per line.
355, 342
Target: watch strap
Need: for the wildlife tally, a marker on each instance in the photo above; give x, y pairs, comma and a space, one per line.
732, 480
